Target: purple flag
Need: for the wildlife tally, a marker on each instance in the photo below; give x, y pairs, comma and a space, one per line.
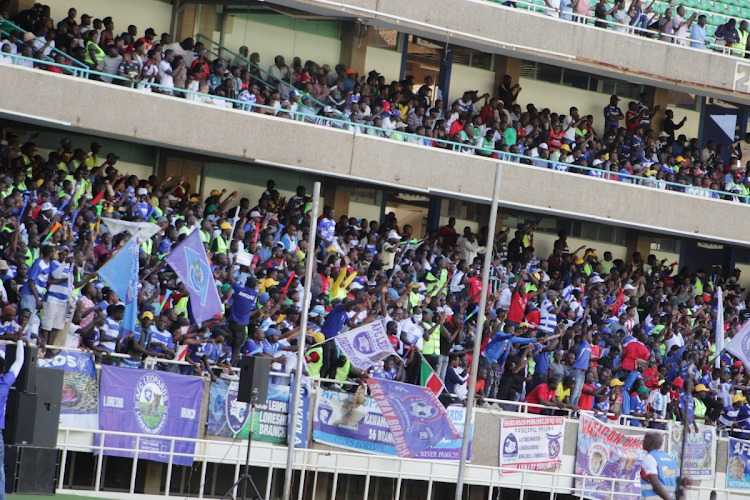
415, 417
152, 404
190, 262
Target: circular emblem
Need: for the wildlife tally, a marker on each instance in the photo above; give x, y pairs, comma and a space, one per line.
362, 343
510, 446
422, 410
151, 403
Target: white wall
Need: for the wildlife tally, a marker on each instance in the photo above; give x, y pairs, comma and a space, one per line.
465, 78
270, 41
385, 62
559, 99
142, 13
364, 211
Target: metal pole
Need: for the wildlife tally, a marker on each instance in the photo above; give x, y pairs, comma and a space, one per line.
306, 301
478, 339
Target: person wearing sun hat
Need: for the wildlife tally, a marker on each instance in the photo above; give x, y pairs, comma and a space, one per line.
220, 243
705, 404
730, 413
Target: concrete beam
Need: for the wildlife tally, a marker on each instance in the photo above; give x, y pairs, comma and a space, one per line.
73, 103
494, 28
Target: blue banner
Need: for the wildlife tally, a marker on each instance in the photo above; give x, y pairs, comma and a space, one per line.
121, 274
80, 394
152, 404
231, 418
190, 262
344, 421
738, 470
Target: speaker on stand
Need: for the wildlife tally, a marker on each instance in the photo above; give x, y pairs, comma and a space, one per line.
253, 390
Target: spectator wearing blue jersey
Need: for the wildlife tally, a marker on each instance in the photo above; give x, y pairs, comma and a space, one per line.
36, 285
612, 113
244, 303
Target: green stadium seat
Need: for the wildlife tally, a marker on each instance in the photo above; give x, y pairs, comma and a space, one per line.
745, 12
729, 2
694, 4
733, 11
706, 6
660, 8
718, 19
719, 8
710, 30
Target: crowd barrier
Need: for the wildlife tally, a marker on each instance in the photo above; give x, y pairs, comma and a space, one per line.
176, 419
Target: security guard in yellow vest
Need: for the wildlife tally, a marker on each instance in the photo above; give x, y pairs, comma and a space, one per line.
437, 278
147, 247
431, 347
94, 53
315, 361
342, 372
221, 242
742, 33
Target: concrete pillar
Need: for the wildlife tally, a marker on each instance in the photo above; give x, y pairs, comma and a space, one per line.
17, 6
339, 200
506, 66
635, 244
433, 213
207, 22
185, 26
354, 46
656, 96
152, 484
444, 78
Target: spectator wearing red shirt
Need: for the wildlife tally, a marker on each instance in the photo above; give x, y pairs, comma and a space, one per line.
635, 350
589, 390
544, 394
520, 298
449, 233
148, 39
633, 117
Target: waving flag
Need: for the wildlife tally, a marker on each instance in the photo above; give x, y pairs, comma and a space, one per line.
428, 378
190, 262
739, 346
121, 274
415, 417
366, 345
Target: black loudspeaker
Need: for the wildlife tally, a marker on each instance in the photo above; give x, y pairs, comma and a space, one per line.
26, 380
30, 470
254, 374
49, 397
20, 418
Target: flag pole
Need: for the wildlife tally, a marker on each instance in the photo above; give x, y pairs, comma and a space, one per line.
478, 335
719, 333
306, 301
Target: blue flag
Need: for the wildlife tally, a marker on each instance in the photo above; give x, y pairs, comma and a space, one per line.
739, 346
121, 275
415, 417
190, 262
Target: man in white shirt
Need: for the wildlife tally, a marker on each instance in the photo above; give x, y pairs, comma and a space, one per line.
11, 41
165, 71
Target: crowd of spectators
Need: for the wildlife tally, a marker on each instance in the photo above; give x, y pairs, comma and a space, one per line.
626, 149
565, 332
569, 331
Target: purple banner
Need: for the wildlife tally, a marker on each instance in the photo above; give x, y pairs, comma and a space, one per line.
414, 416
190, 262
605, 455
152, 404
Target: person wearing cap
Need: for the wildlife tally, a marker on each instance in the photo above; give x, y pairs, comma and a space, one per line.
728, 417
390, 248
612, 113
659, 470
706, 405
220, 243
639, 407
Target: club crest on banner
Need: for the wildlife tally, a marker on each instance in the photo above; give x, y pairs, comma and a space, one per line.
362, 343
554, 445
237, 411
152, 403
198, 277
510, 446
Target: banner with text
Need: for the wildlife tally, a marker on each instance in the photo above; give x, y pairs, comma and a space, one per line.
701, 450
231, 418
80, 394
340, 421
531, 443
738, 466
152, 404
607, 455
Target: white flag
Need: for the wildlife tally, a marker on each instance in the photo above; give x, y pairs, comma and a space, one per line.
366, 345
144, 230
739, 346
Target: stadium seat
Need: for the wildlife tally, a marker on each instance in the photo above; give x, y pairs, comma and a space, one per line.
692, 4
745, 12
718, 19
710, 30
733, 11
706, 6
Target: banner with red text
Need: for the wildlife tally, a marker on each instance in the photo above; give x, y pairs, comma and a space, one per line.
607, 456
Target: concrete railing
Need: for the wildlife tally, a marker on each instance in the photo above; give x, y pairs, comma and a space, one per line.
111, 111
494, 28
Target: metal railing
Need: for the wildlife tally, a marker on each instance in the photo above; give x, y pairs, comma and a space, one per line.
417, 140
7, 26
278, 81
